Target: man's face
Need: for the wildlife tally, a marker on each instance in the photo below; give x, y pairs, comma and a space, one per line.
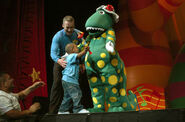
68, 27
9, 83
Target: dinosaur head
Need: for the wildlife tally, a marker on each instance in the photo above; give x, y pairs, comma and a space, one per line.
101, 20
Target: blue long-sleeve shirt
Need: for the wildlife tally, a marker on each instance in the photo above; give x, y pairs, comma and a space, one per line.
60, 40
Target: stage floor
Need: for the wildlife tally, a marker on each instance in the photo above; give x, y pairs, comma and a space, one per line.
167, 115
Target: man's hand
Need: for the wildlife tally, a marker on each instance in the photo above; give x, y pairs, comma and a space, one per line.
33, 108
62, 62
109, 47
38, 84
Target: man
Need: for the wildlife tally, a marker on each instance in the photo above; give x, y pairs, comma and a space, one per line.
63, 37
9, 105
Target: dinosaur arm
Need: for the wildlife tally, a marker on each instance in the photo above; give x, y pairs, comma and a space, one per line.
110, 40
111, 36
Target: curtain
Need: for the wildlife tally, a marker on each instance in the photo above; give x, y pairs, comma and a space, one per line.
22, 43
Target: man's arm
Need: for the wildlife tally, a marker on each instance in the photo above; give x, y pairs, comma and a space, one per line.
55, 48
19, 114
31, 88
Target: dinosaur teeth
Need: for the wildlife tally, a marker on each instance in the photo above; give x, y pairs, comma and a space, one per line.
94, 28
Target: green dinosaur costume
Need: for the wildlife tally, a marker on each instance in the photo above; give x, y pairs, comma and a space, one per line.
105, 69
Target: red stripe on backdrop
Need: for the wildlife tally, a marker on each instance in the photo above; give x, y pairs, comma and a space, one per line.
139, 4
176, 90
159, 56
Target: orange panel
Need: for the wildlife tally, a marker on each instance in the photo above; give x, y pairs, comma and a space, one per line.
157, 75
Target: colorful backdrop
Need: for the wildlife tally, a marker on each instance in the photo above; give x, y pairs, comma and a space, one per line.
149, 36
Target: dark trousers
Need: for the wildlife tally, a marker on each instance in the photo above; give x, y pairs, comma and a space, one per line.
57, 92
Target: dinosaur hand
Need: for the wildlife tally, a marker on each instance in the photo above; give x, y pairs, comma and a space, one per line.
109, 47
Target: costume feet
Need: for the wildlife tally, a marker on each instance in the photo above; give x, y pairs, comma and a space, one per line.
115, 109
95, 110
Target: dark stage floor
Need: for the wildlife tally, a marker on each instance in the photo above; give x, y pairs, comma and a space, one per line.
167, 115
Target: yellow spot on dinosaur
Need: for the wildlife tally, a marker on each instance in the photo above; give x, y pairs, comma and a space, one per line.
103, 79
114, 62
113, 99
121, 79
122, 92
95, 100
135, 100
114, 90
124, 105
132, 106
88, 64
94, 79
110, 38
102, 55
111, 33
113, 80
95, 90
101, 63
125, 71
104, 35
99, 106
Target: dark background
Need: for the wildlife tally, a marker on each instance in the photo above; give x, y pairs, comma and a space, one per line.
55, 10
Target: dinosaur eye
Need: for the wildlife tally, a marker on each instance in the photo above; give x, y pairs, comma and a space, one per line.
101, 12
